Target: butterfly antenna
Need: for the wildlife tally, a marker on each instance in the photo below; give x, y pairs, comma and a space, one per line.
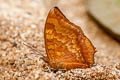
33, 48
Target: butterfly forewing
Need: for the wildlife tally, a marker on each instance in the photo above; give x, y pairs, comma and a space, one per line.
66, 46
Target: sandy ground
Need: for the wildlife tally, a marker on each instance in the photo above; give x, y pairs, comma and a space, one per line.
23, 21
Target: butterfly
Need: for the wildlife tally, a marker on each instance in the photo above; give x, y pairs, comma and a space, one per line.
66, 45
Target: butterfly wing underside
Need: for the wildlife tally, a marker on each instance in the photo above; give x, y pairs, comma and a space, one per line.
66, 45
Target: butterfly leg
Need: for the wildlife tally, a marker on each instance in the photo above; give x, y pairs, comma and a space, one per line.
45, 58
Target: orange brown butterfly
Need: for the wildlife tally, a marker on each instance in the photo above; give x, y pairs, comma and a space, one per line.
66, 45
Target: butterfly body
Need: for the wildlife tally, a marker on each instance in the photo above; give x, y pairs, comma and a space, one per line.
66, 45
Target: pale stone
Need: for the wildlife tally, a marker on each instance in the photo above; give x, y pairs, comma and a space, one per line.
107, 13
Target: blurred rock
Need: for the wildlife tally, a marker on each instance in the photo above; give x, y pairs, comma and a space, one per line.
107, 13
